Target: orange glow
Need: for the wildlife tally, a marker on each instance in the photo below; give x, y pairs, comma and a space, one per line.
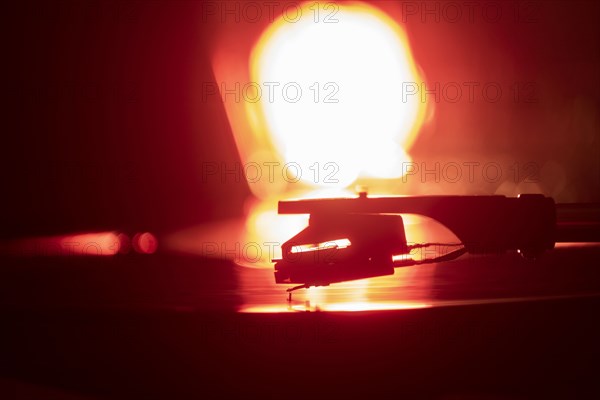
92, 244
144, 243
351, 113
351, 125
265, 227
83, 244
365, 137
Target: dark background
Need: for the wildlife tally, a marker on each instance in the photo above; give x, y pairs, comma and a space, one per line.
105, 128
99, 118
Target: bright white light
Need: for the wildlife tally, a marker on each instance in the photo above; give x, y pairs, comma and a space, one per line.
350, 111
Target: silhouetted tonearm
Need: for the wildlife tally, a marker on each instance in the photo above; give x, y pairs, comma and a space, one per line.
363, 237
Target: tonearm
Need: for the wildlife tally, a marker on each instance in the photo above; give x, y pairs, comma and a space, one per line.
363, 237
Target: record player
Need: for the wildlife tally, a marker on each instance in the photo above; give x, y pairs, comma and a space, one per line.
363, 237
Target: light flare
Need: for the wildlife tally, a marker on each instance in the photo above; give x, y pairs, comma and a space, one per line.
351, 124
80, 244
349, 78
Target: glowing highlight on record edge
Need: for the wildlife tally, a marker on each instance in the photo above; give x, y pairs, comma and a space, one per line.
350, 111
